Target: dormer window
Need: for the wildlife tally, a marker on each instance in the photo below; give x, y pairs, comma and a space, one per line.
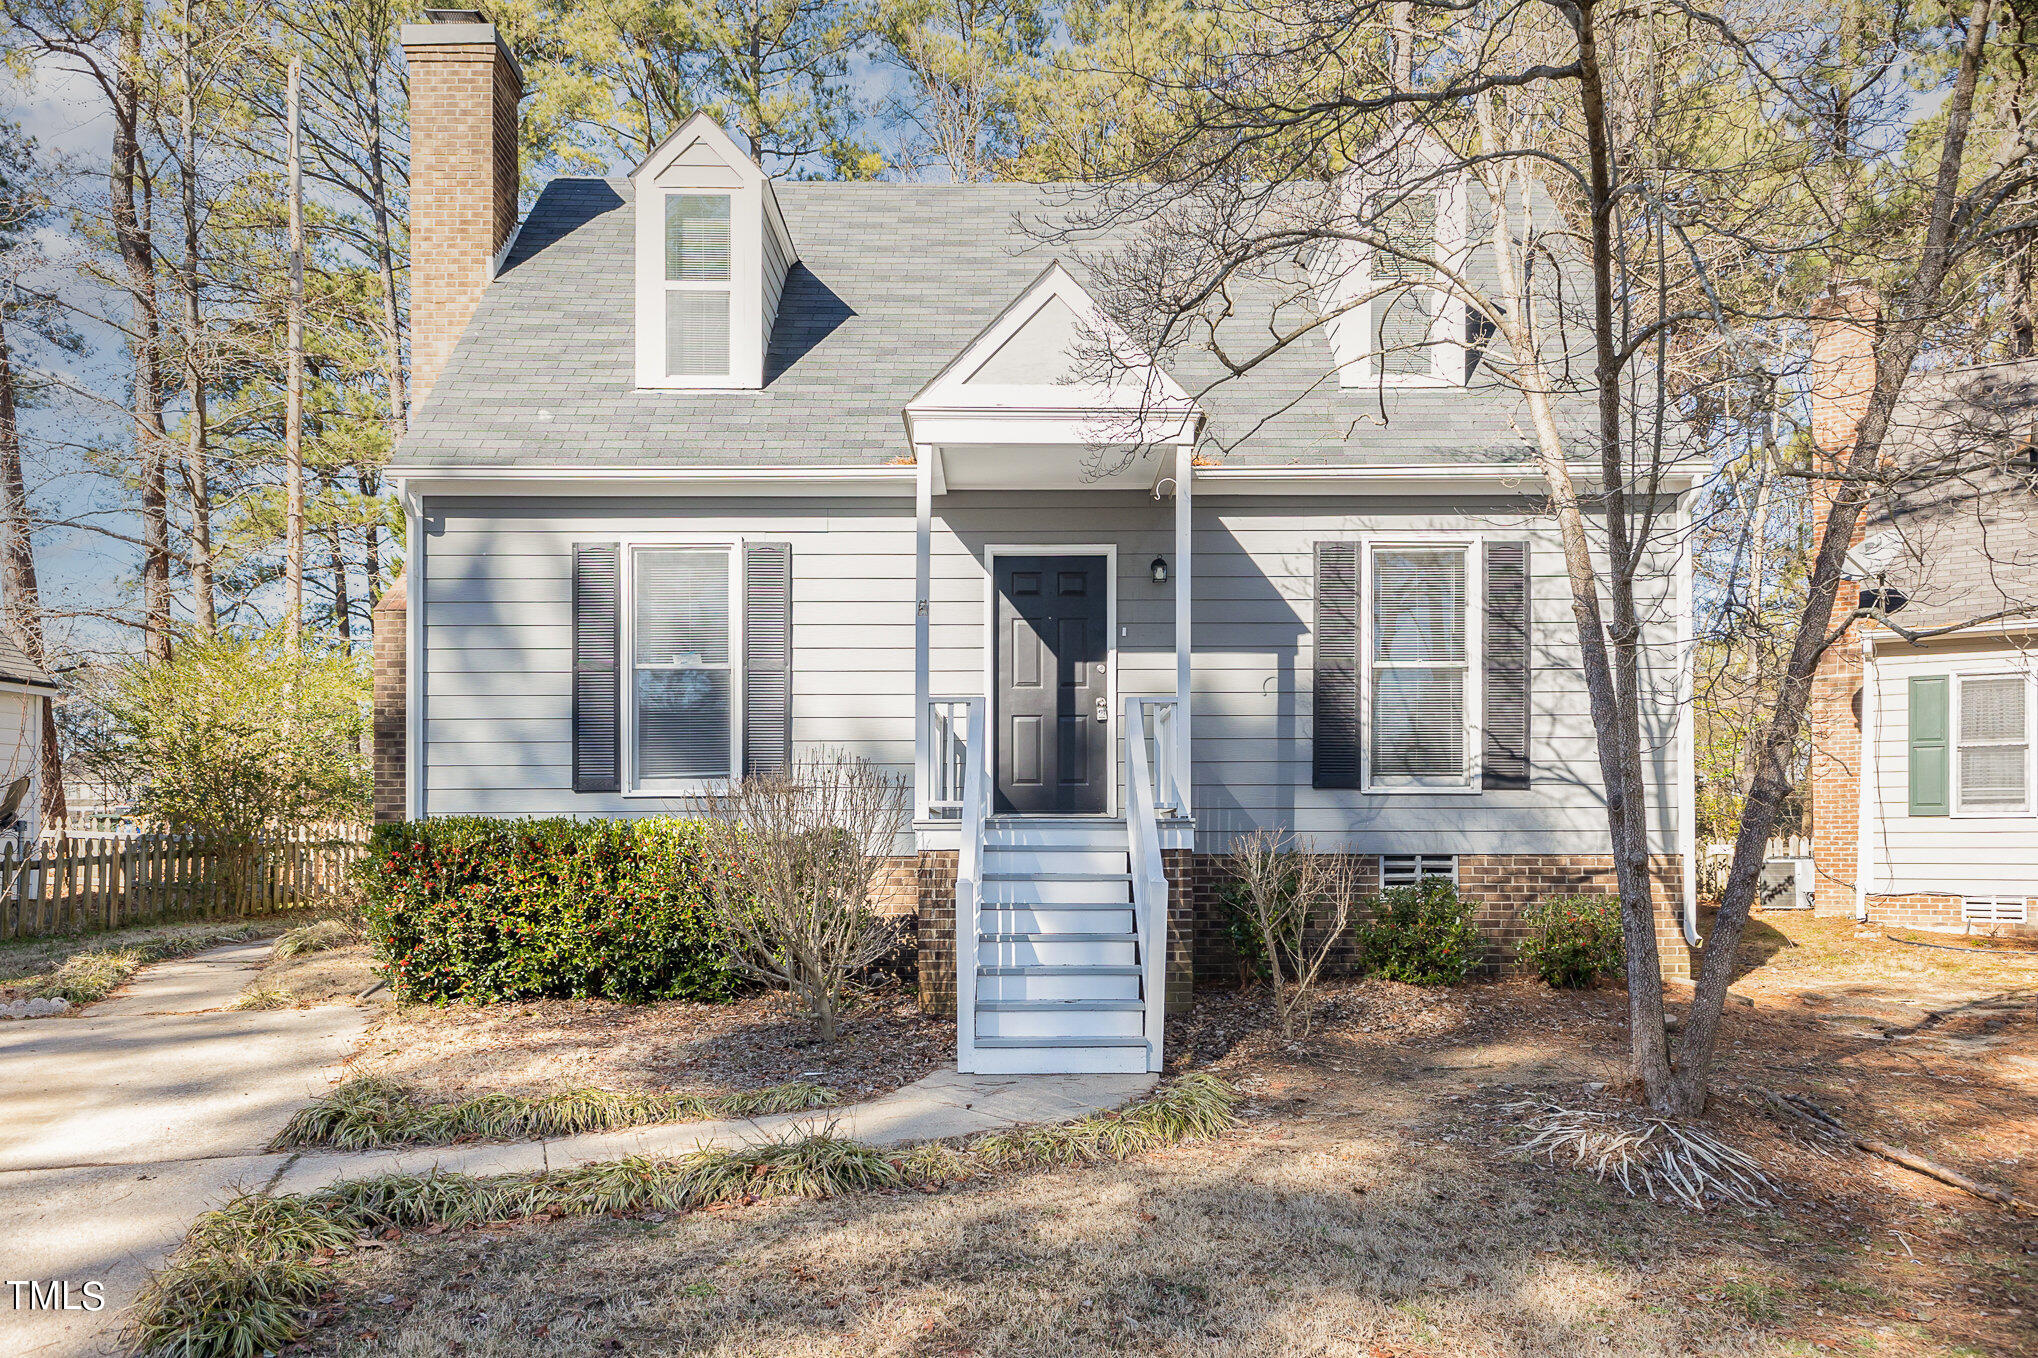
1394, 321
697, 285
713, 253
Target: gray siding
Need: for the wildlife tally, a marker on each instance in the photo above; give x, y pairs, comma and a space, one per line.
1251, 679
497, 628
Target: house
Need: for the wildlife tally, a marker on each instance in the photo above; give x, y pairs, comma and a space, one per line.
707, 470
1924, 808
25, 690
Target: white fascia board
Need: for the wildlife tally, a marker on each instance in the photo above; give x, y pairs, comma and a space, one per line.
1408, 479
1065, 424
782, 481
26, 688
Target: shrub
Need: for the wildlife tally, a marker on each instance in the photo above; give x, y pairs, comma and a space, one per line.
796, 879
1292, 907
238, 735
492, 910
1573, 940
1420, 934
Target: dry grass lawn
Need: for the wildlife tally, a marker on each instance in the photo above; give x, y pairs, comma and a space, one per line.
1367, 1206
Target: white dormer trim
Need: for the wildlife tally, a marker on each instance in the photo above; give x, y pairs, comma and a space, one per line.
1134, 402
700, 157
1345, 274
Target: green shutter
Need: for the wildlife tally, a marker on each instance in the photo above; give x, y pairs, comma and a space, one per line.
1929, 756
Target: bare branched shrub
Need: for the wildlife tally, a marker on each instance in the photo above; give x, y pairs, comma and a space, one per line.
795, 886
1298, 905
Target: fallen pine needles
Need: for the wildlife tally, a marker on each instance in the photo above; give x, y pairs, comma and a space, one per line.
1798, 1106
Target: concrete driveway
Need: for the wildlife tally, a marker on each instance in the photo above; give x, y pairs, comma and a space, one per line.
119, 1126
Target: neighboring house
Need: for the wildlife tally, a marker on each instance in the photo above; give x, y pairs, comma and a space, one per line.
24, 688
706, 472
1925, 796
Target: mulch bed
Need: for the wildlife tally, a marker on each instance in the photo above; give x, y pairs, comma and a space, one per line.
539, 1046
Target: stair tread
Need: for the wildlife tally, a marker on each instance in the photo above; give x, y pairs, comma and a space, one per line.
1057, 877
1060, 969
1035, 935
1059, 1006
1061, 1042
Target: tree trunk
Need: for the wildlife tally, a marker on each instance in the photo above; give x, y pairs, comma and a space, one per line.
126, 174
18, 583
1896, 349
293, 411
197, 469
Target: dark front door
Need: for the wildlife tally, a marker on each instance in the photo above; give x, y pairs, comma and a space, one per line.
1051, 652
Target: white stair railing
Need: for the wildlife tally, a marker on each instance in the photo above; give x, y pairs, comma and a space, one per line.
974, 795
1146, 792
947, 747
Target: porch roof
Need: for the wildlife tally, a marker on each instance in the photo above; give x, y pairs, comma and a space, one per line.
894, 281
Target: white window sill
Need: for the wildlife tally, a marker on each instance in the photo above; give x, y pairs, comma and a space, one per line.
1431, 790
702, 787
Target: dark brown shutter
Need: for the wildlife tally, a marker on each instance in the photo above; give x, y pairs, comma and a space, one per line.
1505, 760
597, 668
1334, 702
767, 657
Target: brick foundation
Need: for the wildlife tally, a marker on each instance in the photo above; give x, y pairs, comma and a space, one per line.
1202, 951
389, 723
1502, 884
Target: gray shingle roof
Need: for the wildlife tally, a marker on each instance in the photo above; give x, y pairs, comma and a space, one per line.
1967, 509
17, 668
894, 279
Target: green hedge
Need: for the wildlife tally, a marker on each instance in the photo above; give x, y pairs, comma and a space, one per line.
488, 910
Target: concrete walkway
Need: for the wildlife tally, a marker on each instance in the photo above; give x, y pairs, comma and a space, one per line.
943, 1105
120, 1126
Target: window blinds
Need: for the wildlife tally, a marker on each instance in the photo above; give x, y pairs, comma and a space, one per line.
1993, 753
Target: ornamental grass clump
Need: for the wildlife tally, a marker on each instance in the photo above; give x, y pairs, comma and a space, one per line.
1572, 941
370, 1113
1420, 934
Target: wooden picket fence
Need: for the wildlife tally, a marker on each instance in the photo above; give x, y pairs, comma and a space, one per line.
107, 883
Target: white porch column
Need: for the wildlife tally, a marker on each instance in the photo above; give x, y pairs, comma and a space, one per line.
923, 515
1185, 458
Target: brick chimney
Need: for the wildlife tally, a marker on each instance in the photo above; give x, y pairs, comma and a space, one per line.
1841, 375
464, 88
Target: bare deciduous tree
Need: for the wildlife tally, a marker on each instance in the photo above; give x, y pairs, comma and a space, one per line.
802, 853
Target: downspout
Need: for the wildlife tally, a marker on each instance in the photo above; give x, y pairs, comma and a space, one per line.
1687, 736
1868, 796
413, 653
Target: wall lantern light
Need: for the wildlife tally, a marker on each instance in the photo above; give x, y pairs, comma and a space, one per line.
1159, 570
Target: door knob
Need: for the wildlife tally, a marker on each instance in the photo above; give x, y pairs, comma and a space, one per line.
1103, 710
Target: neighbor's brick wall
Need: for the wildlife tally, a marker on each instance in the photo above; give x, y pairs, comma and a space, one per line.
388, 731
463, 190
1841, 373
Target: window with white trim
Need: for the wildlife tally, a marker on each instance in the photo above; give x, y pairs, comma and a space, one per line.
1992, 744
1409, 869
1418, 667
682, 653
698, 289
